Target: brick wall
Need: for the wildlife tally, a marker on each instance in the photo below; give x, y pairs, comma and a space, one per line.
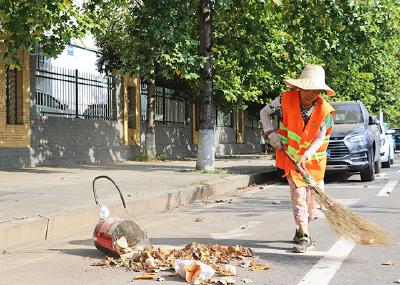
15, 135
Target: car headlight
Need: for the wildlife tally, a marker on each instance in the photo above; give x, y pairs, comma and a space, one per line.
356, 138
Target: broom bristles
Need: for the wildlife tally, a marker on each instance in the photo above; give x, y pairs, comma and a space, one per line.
349, 224
343, 221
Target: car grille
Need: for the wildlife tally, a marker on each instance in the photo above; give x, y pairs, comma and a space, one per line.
338, 149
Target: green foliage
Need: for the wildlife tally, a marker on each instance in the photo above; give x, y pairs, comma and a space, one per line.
50, 23
356, 41
132, 32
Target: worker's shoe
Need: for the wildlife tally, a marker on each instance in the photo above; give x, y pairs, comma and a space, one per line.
297, 236
305, 243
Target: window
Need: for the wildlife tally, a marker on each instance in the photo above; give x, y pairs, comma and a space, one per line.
131, 107
251, 120
347, 114
224, 119
14, 96
169, 106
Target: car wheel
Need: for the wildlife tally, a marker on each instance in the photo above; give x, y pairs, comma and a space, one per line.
378, 166
368, 173
386, 164
391, 161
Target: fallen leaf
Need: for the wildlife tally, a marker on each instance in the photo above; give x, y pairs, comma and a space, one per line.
244, 227
227, 270
261, 187
258, 266
122, 242
160, 279
150, 263
245, 280
226, 280
398, 281
245, 264
213, 280
389, 262
200, 219
148, 276
276, 202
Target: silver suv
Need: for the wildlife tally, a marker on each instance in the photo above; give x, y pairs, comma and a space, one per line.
354, 144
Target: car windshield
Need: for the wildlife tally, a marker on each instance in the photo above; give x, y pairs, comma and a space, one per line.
347, 114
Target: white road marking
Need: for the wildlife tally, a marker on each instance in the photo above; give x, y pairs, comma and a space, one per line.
238, 232
387, 190
323, 271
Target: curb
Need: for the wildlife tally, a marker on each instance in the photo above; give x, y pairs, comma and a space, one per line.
48, 227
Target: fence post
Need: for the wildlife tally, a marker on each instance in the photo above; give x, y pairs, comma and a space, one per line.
163, 106
76, 93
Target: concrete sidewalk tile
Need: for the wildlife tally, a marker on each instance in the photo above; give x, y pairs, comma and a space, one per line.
19, 233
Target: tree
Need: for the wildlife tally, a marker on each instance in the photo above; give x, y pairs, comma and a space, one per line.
356, 41
150, 38
205, 152
49, 23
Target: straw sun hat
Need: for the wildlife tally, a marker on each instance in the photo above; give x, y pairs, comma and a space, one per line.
311, 78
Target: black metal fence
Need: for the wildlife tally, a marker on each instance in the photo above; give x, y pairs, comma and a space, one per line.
71, 93
170, 106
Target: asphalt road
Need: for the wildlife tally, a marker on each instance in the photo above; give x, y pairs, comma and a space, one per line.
258, 217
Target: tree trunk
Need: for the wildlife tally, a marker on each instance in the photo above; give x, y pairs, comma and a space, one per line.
150, 138
206, 148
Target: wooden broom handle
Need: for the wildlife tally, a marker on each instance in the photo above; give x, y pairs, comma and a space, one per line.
299, 168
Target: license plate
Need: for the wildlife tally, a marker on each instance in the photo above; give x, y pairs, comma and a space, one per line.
328, 153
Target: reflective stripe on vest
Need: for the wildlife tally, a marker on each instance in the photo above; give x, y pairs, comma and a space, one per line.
297, 138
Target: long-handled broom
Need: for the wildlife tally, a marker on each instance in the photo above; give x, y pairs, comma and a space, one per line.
343, 221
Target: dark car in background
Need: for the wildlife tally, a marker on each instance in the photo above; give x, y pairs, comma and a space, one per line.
354, 143
396, 137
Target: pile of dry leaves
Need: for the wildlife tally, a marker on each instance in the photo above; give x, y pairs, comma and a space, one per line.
155, 259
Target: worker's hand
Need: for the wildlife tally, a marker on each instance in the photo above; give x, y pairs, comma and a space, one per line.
275, 141
302, 162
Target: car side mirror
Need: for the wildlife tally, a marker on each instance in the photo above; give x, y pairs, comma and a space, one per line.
372, 120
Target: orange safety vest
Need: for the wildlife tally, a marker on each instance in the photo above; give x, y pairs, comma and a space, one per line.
296, 138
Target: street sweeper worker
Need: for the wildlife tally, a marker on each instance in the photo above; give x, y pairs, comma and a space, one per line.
305, 124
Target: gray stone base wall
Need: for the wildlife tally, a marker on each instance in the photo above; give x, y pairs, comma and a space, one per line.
56, 141
232, 149
14, 158
63, 141
173, 141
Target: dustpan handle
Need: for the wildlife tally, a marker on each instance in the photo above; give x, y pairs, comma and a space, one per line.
116, 186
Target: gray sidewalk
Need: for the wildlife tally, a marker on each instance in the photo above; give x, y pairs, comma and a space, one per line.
47, 203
